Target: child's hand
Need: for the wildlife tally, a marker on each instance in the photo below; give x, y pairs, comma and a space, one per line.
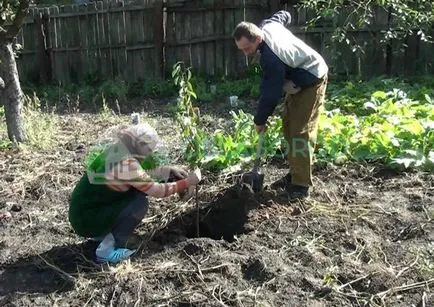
178, 173
194, 177
187, 193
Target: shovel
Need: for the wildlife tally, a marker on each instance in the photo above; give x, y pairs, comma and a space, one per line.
255, 178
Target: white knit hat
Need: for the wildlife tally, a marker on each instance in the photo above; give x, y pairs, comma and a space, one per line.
143, 132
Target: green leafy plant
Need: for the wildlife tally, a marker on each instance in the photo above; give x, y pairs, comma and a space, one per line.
365, 123
218, 150
187, 116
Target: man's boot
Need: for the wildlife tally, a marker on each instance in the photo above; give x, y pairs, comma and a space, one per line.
283, 183
297, 192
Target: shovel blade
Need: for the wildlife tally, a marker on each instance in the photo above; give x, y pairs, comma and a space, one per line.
255, 180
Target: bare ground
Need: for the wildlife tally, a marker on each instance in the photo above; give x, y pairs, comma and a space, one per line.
364, 239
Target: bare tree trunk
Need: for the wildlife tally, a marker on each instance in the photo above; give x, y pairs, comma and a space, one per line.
12, 94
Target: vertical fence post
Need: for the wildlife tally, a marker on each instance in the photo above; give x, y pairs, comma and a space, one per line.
43, 56
389, 53
159, 39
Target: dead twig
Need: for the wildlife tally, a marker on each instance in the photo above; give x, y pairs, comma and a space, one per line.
199, 270
63, 273
383, 295
197, 213
353, 281
90, 299
219, 299
424, 299
137, 303
408, 267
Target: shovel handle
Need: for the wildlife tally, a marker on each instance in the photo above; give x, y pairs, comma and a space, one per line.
258, 151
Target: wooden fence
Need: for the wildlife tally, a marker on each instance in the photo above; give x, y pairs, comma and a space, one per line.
140, 39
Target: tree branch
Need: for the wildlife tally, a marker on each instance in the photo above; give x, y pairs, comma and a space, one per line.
21, 13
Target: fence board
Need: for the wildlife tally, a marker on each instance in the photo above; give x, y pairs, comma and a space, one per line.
240, 59
148, 53
170, 55
198, 50
228, 43
209, 56
219, 30
83, 41
93, 53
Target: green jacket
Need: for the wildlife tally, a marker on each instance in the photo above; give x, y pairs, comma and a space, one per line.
94, 208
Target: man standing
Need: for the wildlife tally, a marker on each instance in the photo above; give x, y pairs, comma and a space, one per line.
291, 67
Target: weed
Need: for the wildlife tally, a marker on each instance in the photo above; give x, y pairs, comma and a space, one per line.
40, 126
329, 277
105, 113
4, 140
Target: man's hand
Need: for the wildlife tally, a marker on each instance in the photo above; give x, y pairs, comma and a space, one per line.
261, 128
290, 87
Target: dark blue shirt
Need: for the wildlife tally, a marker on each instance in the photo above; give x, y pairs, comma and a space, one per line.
274, 74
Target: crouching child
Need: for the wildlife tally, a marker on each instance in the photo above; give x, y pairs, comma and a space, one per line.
111, 198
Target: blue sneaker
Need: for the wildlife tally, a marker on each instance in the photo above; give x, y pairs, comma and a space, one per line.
116, 255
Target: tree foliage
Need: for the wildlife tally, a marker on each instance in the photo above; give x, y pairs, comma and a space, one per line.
404, 17
12, 14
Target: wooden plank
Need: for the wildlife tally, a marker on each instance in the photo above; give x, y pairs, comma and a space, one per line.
169, 49
129, 36
62, 59
104, 27
137, 68
133, 41
219, 44
187, 27
47, 30
375, 55
83, 42
62, 42
114, 20
209, 57
426, 50
183, 32
70, 57
148, 55
42, 61
121, 53
115, 37
93, 51
53, 41
240, 63
229, 25
102, 30
198, 50
75, 63
159, 39
411, 56
398, 57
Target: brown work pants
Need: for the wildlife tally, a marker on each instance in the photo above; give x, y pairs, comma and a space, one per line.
300, 126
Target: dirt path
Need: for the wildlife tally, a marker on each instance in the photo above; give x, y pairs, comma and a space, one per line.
364, 239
